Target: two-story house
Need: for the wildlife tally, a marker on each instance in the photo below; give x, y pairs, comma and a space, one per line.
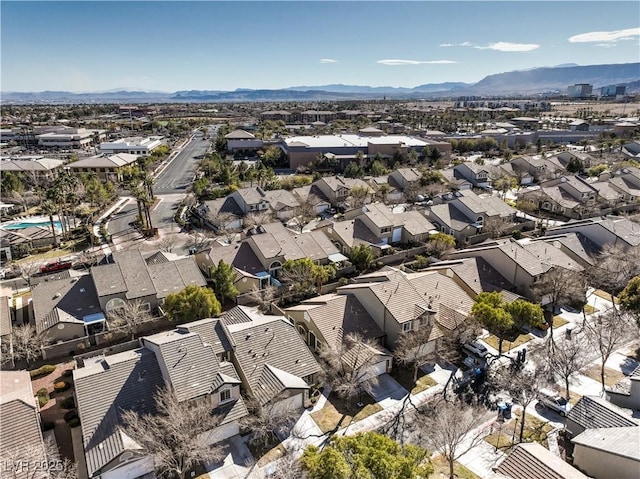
478, 175
337, 189
106, 386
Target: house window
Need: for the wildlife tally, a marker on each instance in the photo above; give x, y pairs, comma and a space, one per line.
274, 269
406, 327
426, 321
386, 229
480, 221
225, 395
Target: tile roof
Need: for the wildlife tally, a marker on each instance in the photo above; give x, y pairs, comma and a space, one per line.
620, 441
135, 273
252, 195
533, 461
264, 347
523, 258
595, 412
174, 276
219, 206
105, 161
212, 331
241, 256
337, 315
548, 254
18, 416
124, 381
239, 135
64, 300
5, 316
281, 199
450, 216
191, 365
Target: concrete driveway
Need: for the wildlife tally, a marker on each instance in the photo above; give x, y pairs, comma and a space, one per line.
387, 390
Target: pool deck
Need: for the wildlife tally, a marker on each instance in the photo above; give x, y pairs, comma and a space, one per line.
30, 220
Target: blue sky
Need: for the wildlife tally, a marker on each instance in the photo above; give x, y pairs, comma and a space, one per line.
168, 46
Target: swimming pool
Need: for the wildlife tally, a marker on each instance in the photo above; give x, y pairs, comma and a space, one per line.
26, 224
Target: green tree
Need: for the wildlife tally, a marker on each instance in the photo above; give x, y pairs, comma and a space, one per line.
362, 257
224, 278
305, 276
440, 243
366, 455
630, 298
501, 317
377, 168
353, 170
191, 304
11, 182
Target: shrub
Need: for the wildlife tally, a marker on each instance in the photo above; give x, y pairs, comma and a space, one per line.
70, 415
42, 371
47, 425
42, 392
75, 422
61, 386
343, 281
68, 403
42, 400
67, 373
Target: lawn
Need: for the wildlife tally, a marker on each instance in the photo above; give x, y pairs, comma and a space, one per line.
559, 321
404, 376
588, 309
441, 469
611, 376
535, 430
604, 295
42, 257
336, 414
575, 397
493, 341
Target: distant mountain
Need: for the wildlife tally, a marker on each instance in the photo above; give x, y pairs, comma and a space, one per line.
522, 82
541, 80
383, 90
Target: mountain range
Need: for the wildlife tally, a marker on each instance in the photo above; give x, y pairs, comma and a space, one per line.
547, 80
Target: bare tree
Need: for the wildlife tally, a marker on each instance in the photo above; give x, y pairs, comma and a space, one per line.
176, 436
264, 298
269, 422
359, 195
614, 267
495, 226
167, 243
523, 384
286, 467
26, 343
223, 225
347, 366
306, 211
451, 428
28, 270
199, 240
129, 318
565, 358
415, 348
36, 461
607, 332
258, 218
561, 286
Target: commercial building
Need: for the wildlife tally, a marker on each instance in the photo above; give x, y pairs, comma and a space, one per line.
66, 137
580, 90
133, 145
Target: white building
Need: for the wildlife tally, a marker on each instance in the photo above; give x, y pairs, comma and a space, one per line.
65, 137
134, 145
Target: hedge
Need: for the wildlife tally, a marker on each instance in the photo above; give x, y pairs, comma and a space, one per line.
42, 371
75, 422
68, 403
47, 425
69, 415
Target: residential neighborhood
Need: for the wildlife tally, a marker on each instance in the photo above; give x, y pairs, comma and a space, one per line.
322, 282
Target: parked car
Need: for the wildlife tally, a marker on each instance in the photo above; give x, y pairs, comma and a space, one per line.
476, 348
54, 266
552, 400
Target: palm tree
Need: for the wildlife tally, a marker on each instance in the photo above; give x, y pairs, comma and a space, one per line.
49, 208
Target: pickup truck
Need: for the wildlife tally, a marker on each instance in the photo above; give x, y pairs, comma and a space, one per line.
55, 266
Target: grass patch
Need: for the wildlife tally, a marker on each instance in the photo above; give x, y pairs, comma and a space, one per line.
337, 414
509, 343
573, 399
588, 309
604, 295
441, 469
42, 257
423, 383
611, 376
506, 436
559, 321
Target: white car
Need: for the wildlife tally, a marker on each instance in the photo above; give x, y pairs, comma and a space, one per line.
552, 400
476, 348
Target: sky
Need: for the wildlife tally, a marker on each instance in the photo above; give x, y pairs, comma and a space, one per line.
207, 45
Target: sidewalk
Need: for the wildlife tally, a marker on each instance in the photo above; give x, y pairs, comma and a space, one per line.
106, 250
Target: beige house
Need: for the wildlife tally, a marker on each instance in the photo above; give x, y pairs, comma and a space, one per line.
105, 386
400, 302
106, 167
41, 170
325, 321
604, 453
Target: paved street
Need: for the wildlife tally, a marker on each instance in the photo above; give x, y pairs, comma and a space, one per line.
170, 187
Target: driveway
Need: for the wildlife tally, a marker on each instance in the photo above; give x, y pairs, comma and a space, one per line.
387, 390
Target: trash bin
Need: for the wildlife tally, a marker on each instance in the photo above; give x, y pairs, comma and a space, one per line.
507, 410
